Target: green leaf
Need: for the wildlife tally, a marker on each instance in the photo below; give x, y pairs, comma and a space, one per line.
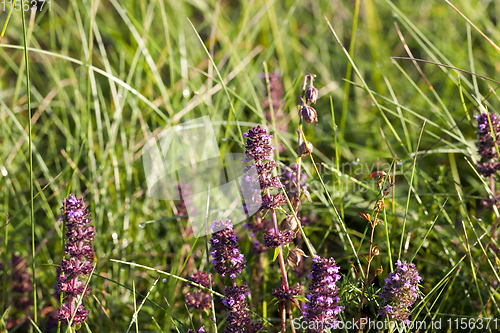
276, 252
301, 298
286, 251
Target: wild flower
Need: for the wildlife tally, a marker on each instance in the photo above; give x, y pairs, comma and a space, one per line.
258, 148
400, 292
486, 144
201, 278
277, 92
238, 317
199, 299
21, 283
272, 239
283, 294
229, 261
227, 257
323, 300
235, 302
18, 294
79, 236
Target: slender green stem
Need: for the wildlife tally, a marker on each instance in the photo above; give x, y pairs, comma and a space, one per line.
348, 74
409, 190
283, 270
212, 305
7, 21
30, 152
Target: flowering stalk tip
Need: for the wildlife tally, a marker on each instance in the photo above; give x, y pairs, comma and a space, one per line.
323, 300
400, 292
228, 261
486, 144
79, 236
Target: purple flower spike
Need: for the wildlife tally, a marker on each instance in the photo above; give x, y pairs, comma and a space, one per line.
199, 299
282, 238
486, 144
289, 295
322, 307
79, 236
238, 317
400, 292
228, 261
258, 147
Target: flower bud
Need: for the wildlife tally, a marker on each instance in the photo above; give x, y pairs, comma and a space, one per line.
311, 95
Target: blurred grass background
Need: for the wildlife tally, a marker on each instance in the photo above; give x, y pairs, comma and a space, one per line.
103, 80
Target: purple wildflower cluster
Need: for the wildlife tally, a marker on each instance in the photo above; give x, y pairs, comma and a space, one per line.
400, 292
259, 149
323, 300
277, 92
79, 236
281, 238
201, 278
199, 299
289, 295
229, 261
227, 257
236, 305
238, 318
21, 283
486, 144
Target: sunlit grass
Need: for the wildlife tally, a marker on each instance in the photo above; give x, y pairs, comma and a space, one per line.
81, 92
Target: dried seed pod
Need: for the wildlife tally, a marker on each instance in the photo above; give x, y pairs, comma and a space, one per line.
311, 95
307, 194
294, 198
380, 175
289, 223
379, 206
307, 113
304, 149
375, 251
387, 190
366, 216
309, 77
295, 256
